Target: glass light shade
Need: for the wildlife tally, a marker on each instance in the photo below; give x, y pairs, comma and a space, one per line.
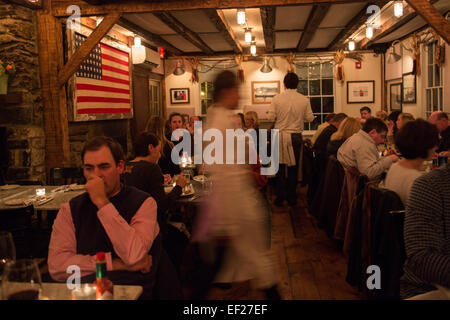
351, 45
138, 54
248, 36
369, 32
398, 9
241, 16
99, 20
253, 49
137, 41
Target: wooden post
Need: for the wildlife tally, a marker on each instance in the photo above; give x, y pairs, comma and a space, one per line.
51, 60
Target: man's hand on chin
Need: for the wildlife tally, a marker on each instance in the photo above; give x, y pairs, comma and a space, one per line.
95, 187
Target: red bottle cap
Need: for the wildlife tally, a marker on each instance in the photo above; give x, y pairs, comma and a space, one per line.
100, 256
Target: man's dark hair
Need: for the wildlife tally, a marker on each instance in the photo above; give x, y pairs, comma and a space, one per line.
415, 138
291, 80
374, 123
365, 108
142, 142
339, 117
329, 117
96, 143
174, 114
442, 115
224, 80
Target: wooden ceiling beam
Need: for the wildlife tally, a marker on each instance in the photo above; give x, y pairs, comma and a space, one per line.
25, 3
354, 24
149, 36
136, 6
433, 17
218, 19
316, 16
268, 23
183, 31
86, 47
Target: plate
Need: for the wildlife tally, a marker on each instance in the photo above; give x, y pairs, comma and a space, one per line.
200, 178
9, 186
75, 187
190, 191
15, 202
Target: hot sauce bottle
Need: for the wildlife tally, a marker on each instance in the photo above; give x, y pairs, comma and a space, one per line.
105, 289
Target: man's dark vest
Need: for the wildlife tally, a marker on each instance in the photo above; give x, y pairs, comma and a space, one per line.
89, 232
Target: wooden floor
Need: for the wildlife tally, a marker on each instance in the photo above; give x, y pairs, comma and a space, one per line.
311, 266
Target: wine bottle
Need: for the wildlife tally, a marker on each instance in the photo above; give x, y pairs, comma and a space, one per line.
105, 289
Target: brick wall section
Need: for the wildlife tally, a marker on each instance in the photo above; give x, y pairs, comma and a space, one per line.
24, 121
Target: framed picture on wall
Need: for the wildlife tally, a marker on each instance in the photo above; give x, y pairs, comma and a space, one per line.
179, 95
409, 88
264, 91
361, 91
395, 90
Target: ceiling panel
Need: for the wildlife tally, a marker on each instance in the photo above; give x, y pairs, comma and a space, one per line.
216, 42
322, 38
287, 40
181, 43
291, 17
149, 22
411, 26
196, 20
340, 15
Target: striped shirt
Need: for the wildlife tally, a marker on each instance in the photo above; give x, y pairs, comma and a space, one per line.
427, 234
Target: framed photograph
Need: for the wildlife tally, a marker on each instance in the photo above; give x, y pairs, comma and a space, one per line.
396, 96
409, 88
264, 91
361, 91
179, 95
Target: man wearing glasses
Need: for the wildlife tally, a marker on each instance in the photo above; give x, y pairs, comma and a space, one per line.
360, 150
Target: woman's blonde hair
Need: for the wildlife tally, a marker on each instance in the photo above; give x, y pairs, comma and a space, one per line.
406, 117
347, 128
254, 116
382, 115
157, 125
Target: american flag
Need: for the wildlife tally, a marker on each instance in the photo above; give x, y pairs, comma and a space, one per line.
103, 80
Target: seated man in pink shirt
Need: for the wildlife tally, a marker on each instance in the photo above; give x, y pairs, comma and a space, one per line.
110, 217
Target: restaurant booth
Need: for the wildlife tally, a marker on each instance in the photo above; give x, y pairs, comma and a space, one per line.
72, 70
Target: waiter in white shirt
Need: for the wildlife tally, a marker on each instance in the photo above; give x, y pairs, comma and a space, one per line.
291, 110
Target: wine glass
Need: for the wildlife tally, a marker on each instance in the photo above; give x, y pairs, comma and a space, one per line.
7, 249
21, 280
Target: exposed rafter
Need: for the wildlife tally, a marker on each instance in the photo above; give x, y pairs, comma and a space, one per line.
268, 22
149, 36
28, 4
433, 17
136, 6
316, 16
353, 25
183, 31
86, 47
218, 19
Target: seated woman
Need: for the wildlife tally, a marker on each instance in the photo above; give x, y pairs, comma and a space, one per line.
403, 118
392, 126
157, 126
416, 141
348, 127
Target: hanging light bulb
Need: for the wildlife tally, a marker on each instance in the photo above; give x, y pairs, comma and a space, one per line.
351, 45
253, 49
398, 9
241, 16
248, 35
369, 32
138, 51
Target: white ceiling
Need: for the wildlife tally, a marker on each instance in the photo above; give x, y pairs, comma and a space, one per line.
291, 17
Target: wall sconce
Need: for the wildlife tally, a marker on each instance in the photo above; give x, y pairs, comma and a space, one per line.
351, 45
266, 68
241, 17
179, 70
398, 8
393, 56
138, 51
248, 35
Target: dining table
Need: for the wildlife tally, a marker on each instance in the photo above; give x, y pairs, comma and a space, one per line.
17, 196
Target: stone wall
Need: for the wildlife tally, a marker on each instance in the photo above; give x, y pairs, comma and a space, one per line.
24, 122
